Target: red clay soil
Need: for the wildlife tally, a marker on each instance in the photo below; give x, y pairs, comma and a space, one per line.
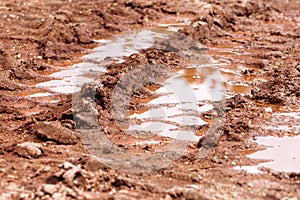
41, 154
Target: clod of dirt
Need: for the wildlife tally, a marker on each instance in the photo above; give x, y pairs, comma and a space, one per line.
284, 83
7, 64
6, 61
29, 150
54, 131
68, 165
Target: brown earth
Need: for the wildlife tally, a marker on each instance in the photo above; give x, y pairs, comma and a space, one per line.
42, 156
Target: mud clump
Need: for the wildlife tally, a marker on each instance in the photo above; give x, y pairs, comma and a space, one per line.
7, 66
148, 63
240, 116
284, 83
154, 57
54, 131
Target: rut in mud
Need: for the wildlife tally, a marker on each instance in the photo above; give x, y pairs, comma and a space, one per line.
52, 48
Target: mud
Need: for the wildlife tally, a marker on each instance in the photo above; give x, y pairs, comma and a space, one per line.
42, 156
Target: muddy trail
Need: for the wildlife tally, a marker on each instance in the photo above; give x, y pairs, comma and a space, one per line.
150, 99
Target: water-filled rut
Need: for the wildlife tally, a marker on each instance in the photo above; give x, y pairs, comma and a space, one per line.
167, 114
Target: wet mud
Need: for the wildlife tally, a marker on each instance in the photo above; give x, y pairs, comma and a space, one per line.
49, 50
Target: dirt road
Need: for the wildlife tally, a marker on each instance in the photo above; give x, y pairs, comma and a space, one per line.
43, 154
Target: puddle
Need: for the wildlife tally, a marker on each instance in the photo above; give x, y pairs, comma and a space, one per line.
183, 97
178, 110
233, 62
177, 113
71, 79
282, 152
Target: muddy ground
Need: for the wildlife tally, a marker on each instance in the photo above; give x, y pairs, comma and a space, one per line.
42, 156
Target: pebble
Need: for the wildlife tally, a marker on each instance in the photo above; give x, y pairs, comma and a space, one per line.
58, 196
168, 197
29, 149
49, 189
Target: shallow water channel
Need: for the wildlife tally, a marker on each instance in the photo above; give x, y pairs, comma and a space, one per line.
168, 113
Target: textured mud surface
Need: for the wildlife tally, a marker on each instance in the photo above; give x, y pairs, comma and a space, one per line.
41, 153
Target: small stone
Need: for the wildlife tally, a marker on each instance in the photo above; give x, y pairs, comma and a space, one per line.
29, 149
58, 196
49, 189
168, 197
71, 192
39, 193
54, 131
70, 175
188, 191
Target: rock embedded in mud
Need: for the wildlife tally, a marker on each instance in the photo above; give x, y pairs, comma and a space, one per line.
50, 189
54, 131
29, 150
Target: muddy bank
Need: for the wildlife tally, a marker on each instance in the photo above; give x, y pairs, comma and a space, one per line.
42, 156
37, 34
54, 30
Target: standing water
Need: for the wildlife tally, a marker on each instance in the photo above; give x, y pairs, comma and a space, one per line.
168, 113
174, 112
282, 152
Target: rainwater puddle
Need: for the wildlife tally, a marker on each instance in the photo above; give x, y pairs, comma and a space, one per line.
183, 97
181, 100
170, 113
282, 152
89, 67
176, 112
94, 64
69, 78
287, 122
